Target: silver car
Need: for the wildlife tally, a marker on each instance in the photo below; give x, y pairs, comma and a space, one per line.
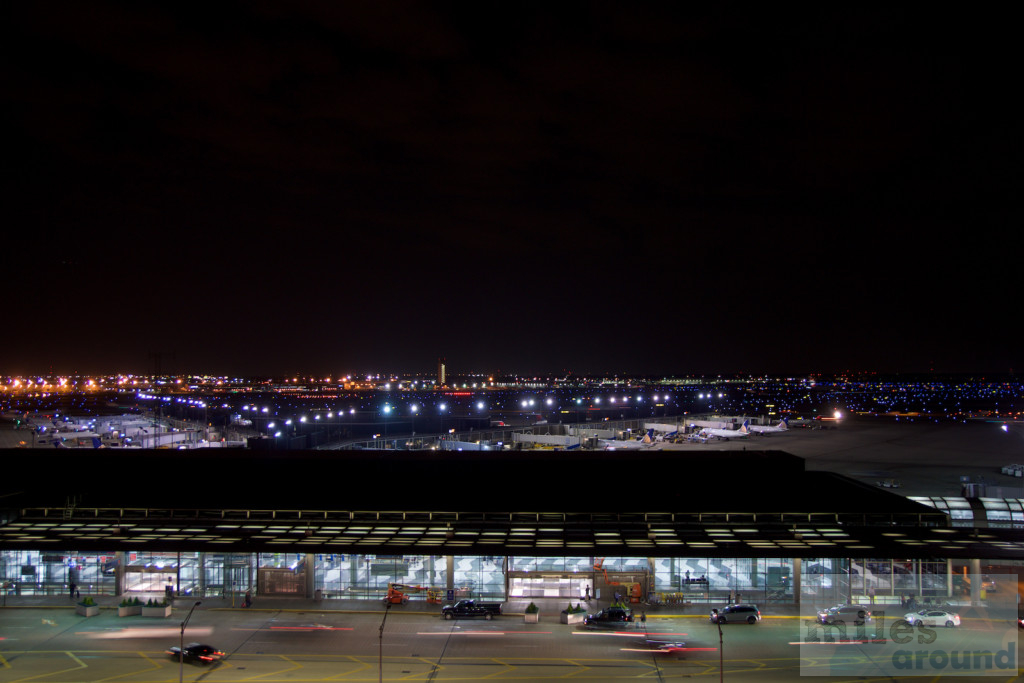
736, 614
845, 614
933, 617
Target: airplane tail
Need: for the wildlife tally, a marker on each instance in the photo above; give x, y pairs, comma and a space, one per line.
744, 429
784, 423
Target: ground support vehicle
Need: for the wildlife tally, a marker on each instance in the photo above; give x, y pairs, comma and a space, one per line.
398, 593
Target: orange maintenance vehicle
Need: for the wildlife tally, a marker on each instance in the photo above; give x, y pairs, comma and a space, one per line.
398, 593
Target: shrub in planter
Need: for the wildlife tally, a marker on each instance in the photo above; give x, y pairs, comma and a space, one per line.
156, 608
532, 614
129, 607
573, 615
87, 607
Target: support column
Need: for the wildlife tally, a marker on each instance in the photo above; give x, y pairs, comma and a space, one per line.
310, 576
449, 561
120, 582
976, 581
651, 579
202, 573
798, 574
949, 577
353, 570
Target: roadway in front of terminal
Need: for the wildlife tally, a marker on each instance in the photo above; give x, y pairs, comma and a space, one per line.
284, 641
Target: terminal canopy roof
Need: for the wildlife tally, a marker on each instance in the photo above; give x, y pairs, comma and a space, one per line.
651, 503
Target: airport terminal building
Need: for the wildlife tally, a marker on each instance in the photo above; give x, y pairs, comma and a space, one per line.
653, 526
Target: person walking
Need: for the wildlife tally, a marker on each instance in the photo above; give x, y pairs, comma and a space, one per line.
72, 589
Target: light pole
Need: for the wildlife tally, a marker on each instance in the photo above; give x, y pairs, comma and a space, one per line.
721, 658
380, 643
387, 411
181, 648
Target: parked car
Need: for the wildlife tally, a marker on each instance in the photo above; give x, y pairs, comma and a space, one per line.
847, 614
933, 617
610, 616
736, 614
197, 652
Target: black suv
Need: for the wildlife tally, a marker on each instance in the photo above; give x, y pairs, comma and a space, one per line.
736, 613
609, 617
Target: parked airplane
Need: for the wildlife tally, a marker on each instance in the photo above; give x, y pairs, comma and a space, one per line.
628, 444
741, 433
783, 426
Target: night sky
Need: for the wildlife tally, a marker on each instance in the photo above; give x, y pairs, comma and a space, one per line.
288, 188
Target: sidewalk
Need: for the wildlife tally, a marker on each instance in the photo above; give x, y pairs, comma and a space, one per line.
297, 604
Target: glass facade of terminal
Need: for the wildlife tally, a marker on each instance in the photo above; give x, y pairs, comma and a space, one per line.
655, 580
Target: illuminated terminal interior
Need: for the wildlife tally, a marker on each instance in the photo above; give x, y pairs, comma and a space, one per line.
469, 524
663, 580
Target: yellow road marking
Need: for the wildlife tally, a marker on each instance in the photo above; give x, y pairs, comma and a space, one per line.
81, 665
294, 667
155, 666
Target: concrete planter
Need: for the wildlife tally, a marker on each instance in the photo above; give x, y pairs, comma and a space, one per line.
531, 617
129, 610
574, 618
87, 610
164, 611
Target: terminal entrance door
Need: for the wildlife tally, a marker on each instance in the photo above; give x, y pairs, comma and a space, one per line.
571, 585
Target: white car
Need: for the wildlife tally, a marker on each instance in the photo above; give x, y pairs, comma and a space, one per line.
933, 617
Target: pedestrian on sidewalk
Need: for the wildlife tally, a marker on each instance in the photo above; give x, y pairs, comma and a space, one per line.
72, 589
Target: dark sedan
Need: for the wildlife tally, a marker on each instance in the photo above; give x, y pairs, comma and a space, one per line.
197, 652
